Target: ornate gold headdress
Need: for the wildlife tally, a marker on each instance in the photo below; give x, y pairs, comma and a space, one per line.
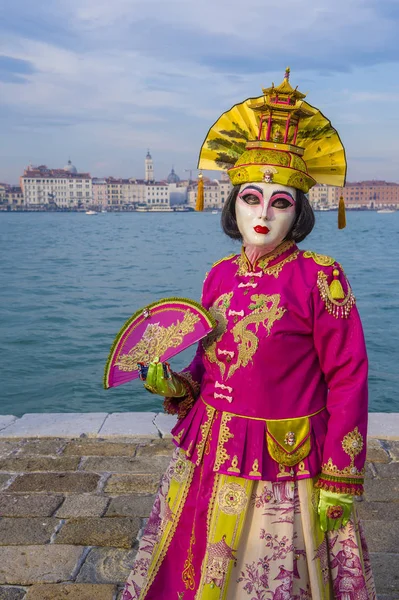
277, 137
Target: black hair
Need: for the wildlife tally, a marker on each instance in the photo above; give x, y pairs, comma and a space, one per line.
301, 228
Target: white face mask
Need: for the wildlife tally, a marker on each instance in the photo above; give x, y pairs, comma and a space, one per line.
265, 213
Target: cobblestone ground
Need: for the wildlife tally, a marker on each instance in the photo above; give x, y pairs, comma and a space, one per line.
71, 512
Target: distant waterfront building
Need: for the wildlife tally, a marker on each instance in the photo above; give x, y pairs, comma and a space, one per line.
100, 192
172, 177
56, 188
157, 196
358, 195
216, 192
70, 168
14, 197
3, 188
11, 197
149, 168
178, 193
323, 196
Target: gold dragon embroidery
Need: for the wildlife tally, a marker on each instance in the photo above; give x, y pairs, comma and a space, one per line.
265, 311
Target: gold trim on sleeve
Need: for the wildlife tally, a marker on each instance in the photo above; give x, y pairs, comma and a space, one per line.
352, 445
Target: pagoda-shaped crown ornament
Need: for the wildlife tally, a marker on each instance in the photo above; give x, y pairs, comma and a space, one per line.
276, 138
278, 114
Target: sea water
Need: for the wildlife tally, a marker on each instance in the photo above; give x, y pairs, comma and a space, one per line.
69, 281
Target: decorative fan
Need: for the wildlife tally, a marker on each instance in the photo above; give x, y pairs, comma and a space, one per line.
160, 330
226, 141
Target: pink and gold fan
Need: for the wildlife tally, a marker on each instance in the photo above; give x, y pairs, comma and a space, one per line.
158, 331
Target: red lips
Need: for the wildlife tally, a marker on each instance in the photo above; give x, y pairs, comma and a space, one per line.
260, 229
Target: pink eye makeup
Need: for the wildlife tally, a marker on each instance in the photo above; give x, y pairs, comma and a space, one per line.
282, 200
251, 195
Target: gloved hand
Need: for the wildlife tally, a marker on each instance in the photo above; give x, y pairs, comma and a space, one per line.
159, 379
334, 510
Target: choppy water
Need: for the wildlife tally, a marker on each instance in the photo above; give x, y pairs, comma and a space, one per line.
69, 282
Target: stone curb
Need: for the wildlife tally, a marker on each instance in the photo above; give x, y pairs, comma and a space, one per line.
142, 425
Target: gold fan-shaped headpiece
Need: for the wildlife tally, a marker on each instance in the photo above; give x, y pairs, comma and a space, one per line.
275, 138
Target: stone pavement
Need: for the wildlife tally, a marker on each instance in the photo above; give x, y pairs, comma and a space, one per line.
72, 508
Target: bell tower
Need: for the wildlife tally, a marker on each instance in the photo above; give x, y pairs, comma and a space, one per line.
149, 168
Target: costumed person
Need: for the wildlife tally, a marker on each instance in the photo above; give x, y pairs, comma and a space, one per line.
272, 411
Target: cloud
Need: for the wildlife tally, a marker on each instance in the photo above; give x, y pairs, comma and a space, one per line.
132, 73
13, 70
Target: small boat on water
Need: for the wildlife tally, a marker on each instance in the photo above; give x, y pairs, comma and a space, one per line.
215, 212
385, 211
91, 212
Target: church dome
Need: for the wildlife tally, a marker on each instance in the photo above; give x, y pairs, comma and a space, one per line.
70, 168
172, 177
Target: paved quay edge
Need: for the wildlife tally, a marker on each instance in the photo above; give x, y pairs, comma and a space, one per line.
383, 426
76, 490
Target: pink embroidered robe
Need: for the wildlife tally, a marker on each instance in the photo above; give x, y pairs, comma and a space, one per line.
282, 381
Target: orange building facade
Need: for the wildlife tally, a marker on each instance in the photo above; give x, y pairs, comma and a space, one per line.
362, 195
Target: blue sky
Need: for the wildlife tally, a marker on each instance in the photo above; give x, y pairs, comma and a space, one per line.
101, 81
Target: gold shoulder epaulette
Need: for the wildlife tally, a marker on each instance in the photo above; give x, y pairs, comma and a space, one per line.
335, 300
222, 260
320, 259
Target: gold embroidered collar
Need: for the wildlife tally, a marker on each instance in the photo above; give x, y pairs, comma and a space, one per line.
270, 264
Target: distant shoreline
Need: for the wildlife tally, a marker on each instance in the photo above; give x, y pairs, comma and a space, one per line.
173, 210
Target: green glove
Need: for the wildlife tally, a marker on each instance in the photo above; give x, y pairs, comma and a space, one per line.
157, 382
334, 510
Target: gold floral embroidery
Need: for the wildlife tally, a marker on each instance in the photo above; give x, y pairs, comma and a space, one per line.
265, 311
352, 445
339, 309
189, 450
179, 436
232, 498
255, 469
222, 260
275, 270
224, 436
208, 443
218, 311
234, 464
301, 469
244, 265
188, 574
181, 469
205, 427
156, 340
319, 259
329, 468
283, 472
